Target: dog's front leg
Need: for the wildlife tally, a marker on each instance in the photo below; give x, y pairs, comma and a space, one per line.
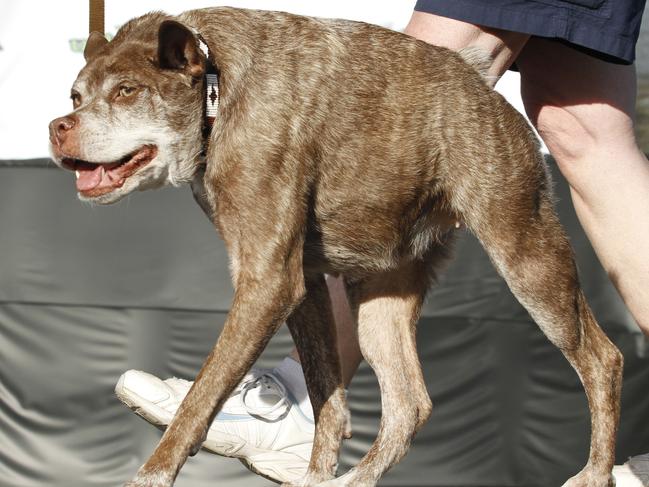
314, 333
264, 297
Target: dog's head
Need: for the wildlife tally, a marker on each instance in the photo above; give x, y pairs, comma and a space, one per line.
138, 115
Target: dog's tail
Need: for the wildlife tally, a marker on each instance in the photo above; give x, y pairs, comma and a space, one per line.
480, 60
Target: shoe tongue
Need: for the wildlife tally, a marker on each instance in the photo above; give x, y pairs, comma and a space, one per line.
262, 396
265, 397
89, 177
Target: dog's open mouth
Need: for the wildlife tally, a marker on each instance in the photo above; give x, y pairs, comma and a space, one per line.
99, 178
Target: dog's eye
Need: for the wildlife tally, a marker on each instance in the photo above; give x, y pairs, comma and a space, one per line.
76, 99
125, 90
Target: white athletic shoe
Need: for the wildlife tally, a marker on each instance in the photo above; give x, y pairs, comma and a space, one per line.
260, 423
634, 473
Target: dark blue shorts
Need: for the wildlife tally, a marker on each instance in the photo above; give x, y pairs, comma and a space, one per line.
607, 29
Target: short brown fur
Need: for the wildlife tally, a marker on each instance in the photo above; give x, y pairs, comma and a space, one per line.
345, 148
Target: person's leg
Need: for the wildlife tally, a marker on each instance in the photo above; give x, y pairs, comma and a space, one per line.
348, 348
503, 46
584, 109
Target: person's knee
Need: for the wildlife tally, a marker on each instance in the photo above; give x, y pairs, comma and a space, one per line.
568, 137
585, 120
582, 137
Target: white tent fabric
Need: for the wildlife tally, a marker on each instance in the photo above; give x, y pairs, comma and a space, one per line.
87, 292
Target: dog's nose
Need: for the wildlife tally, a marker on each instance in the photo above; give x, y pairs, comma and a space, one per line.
60, 127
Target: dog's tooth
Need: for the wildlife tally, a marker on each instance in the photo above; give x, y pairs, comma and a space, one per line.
77, 173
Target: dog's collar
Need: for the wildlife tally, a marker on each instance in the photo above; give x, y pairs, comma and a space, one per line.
211, 89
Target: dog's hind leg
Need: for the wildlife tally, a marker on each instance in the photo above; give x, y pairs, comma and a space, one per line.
388, 307
528, 246
314, 333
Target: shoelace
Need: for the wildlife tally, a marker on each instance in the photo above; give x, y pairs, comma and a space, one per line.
272, 413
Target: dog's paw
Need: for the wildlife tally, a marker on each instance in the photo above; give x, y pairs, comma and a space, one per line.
350, 479
309, 480
340, 482
586, 478
150, 480
146, 483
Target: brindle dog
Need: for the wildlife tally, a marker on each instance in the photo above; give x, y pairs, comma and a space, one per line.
339, 147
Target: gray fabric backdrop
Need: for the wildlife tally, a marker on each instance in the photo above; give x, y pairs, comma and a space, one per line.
89, 292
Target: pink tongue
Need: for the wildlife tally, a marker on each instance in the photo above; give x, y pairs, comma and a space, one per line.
89, 178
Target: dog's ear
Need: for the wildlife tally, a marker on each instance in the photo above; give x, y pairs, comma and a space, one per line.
178, 49
96, 41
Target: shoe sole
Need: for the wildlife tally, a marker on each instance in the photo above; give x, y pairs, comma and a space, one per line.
160, 418
625, 477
